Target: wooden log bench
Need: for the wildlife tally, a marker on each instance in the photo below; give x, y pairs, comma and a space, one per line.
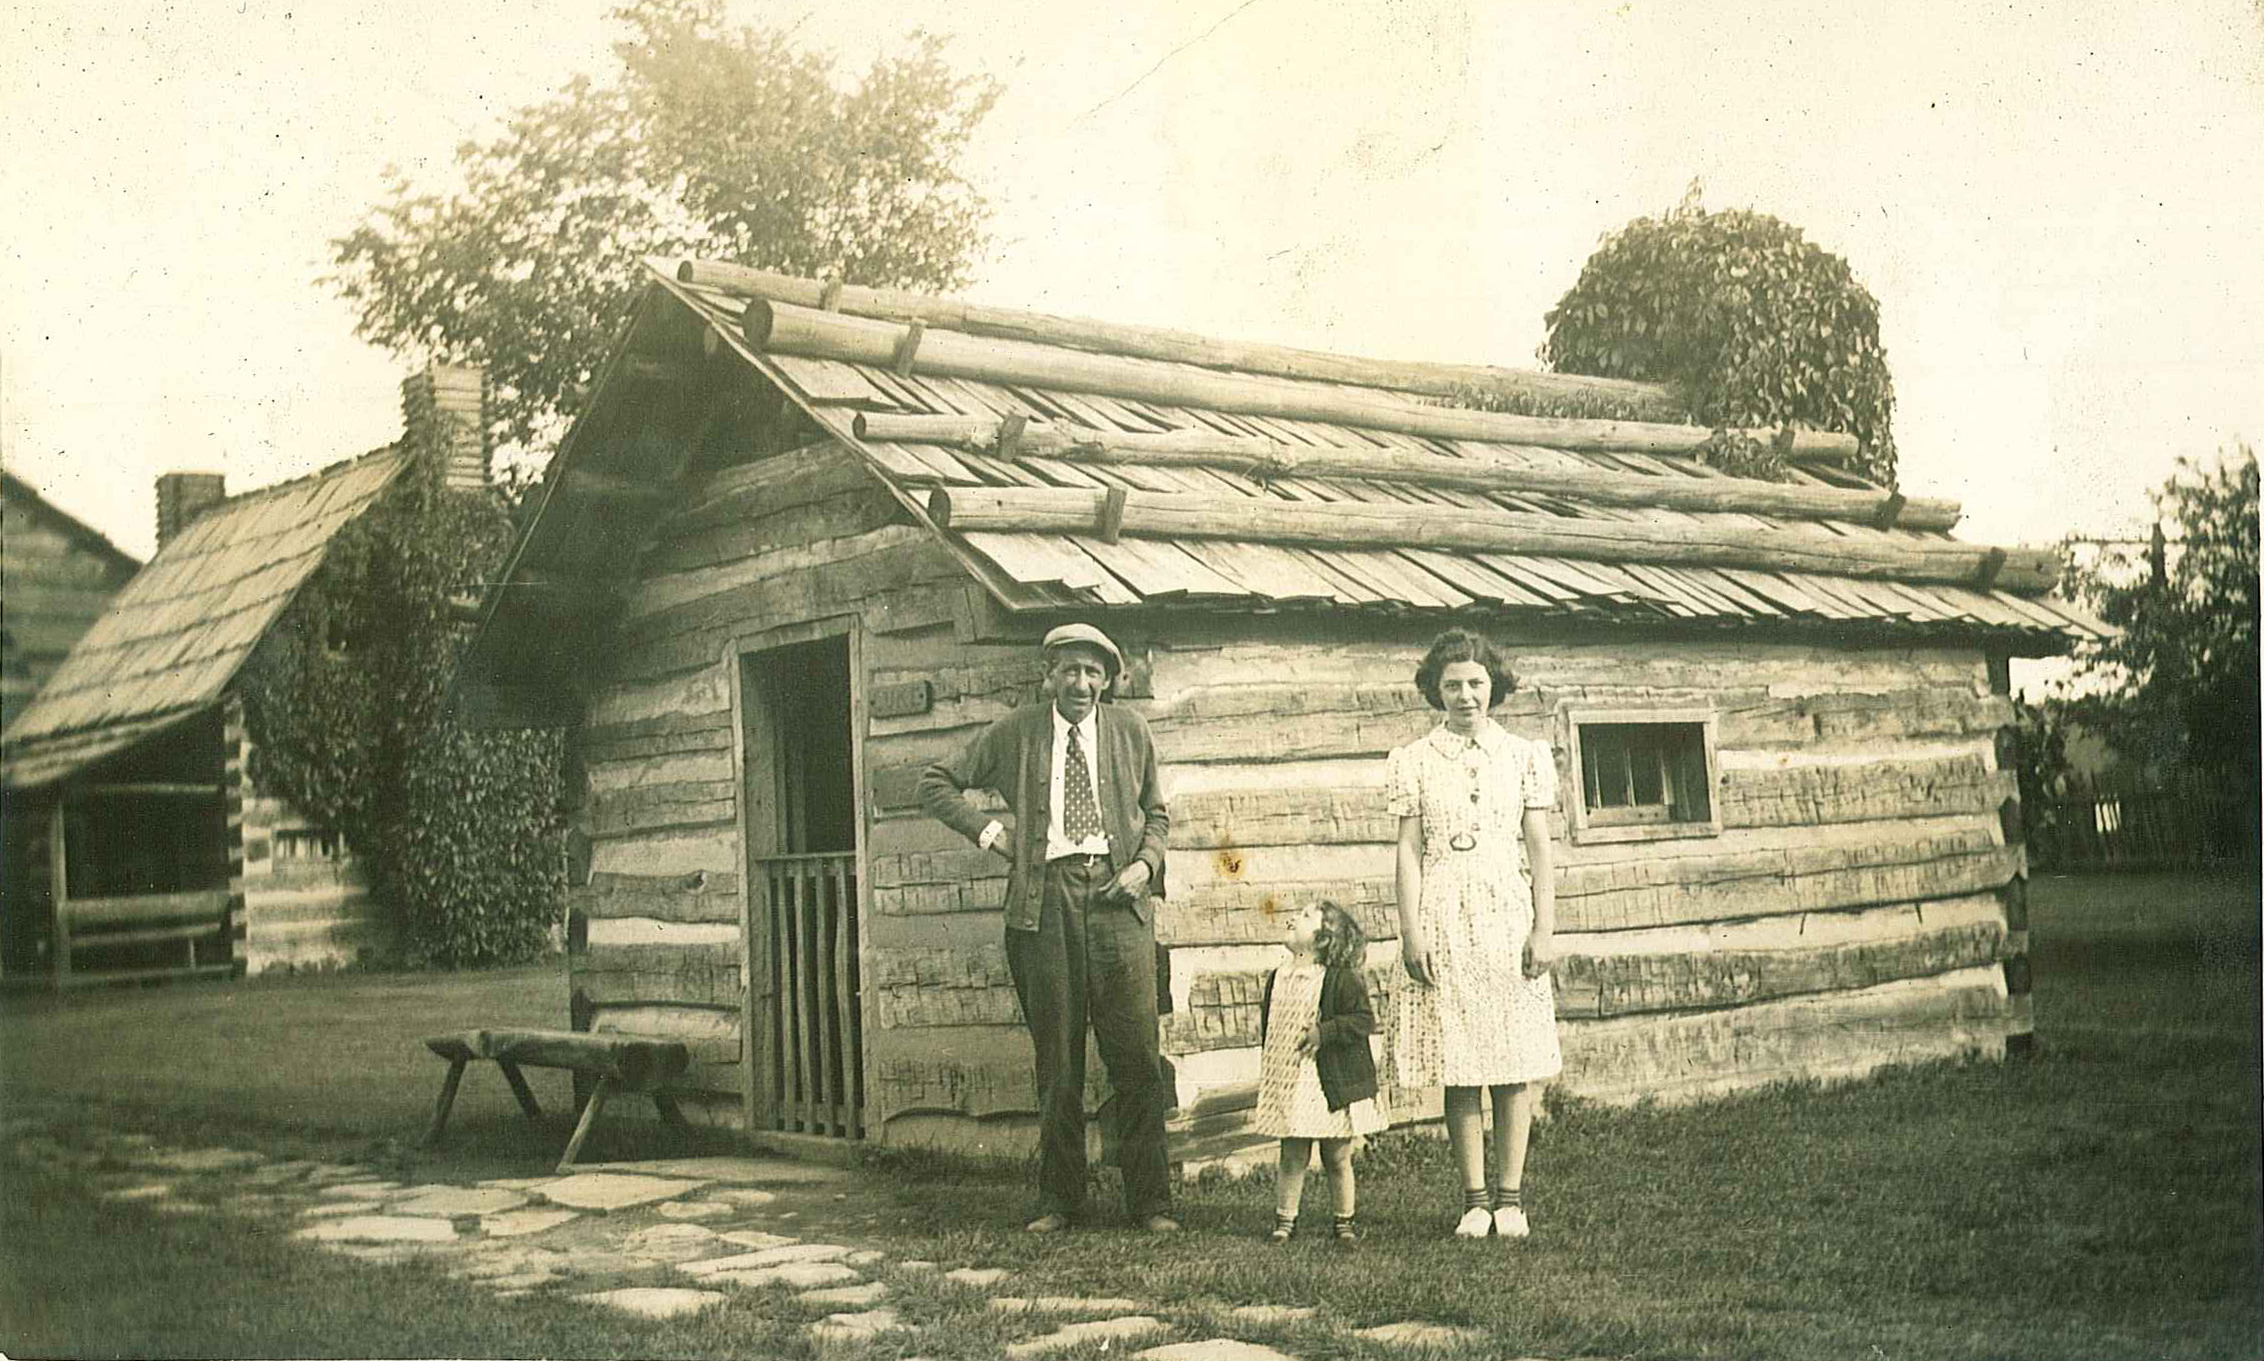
634, 1063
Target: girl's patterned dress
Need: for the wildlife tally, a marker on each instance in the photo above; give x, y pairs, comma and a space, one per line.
1483, 1023
1291, 1104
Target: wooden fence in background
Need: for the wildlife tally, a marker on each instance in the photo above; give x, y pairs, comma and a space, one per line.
2091, 823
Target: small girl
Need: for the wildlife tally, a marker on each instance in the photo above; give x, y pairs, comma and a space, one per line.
1317, 1079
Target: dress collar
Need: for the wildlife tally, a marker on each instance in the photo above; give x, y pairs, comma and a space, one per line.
1488, 738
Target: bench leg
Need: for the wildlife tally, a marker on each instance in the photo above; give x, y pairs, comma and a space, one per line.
440, 1110
598, 1094
670, 1112
519, 1089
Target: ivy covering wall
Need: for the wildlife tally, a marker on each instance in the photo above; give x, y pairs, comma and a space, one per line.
458, 830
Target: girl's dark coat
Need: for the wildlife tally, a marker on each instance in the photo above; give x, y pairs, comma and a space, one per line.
1348, 1069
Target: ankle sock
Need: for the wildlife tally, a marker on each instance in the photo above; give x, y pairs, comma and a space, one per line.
1506, 1197
1344, 1230
1474, 1198
1284, 1225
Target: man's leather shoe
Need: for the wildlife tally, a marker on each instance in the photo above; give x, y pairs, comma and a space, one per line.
1162, 1224
1049, 1223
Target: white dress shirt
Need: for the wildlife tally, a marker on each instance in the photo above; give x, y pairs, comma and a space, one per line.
1088, 737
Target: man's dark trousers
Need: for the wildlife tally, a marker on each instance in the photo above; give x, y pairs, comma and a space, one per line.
1092, 957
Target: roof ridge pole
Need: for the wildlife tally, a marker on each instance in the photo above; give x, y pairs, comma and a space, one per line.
789, 329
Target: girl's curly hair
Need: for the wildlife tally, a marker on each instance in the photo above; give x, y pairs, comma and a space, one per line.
1340, 943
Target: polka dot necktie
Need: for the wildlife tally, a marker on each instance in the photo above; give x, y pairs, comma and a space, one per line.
1080, 816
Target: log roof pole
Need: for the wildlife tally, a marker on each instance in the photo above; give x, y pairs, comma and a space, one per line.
789, 329
1646, 401
1166, 515
1473, 472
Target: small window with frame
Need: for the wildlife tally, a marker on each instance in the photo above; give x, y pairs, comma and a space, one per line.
1642, 775
317, 845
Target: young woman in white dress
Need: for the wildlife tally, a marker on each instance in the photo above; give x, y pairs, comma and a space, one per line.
1477, 921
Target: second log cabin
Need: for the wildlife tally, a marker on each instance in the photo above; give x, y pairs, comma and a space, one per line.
804, 540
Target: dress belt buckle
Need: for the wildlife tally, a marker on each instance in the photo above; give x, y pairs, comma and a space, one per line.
1462, 841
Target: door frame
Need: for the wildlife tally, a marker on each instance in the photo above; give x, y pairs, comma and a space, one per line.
756, 1106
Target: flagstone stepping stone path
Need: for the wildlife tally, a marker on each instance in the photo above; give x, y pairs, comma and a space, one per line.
658, 1240
800, 1275
1272, 1315
696, 1209
1063, 1304
514, 1223
753, 1239
846, 1296
450, 1201
333, 1207
605, 1191
206, 1159
855, 1327
672, 1242
362, 1190
982, 1278
380, 1229
1109, 1330
656, 1301
1213, 1349
1416, 1333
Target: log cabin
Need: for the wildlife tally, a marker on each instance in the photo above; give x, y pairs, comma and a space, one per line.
57, 575
804, 539
140, 846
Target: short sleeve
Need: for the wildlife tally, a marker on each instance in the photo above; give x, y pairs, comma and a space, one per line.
1401, 788
1540, 776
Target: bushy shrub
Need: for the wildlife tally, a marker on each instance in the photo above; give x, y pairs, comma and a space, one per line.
1756, 325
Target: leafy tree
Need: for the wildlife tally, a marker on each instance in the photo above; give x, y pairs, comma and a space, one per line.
346, 704
2176, 692
709, 140
1755, 324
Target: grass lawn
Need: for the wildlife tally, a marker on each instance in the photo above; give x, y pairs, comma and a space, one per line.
2101, 1200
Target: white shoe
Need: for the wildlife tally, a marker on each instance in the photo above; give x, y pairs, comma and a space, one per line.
1477, 1222
1509, 1222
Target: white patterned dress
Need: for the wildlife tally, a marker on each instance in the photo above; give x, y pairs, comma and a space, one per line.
1291, 1104
1483, 1023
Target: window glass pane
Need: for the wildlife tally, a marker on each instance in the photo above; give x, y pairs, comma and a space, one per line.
1693, 801
1609, 753
1645, 752
1645, 772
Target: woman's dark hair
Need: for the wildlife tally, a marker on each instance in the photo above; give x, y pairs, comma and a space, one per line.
1340, 943
1461, 645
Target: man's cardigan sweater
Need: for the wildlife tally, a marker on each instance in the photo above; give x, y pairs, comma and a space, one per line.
1014, 759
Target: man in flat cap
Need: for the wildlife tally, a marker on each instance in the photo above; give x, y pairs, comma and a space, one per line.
1083, 836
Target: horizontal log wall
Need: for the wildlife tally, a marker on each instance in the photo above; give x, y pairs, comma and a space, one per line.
302, 912
1858, 792
1860, 851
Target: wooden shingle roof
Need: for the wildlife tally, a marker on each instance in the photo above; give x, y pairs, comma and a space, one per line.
1074, 467
176, 635
1276, 488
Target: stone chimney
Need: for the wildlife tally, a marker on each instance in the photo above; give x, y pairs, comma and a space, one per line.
181, 497
444, 410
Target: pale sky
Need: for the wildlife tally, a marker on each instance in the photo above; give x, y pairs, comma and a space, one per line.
2059, 206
